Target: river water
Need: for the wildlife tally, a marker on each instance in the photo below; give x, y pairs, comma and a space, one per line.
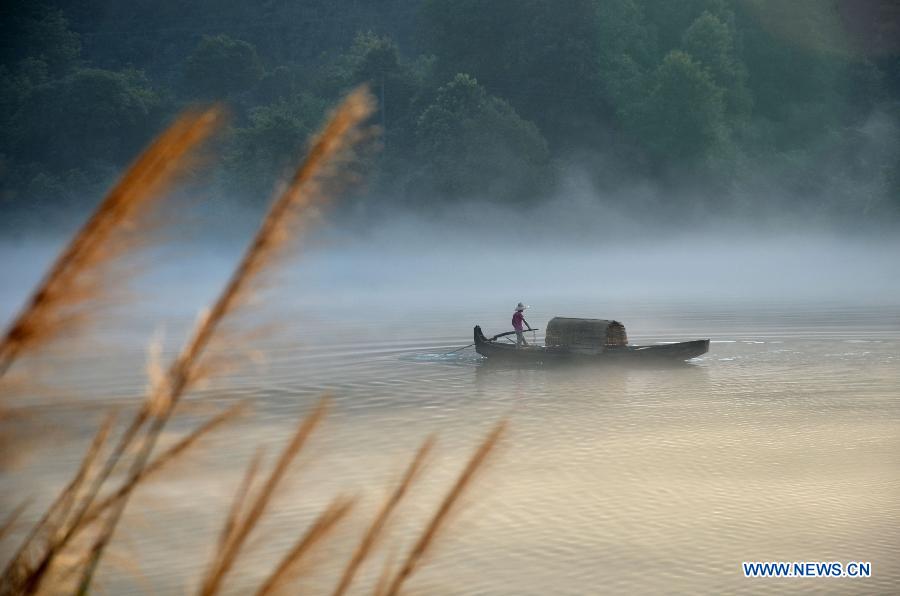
781, 444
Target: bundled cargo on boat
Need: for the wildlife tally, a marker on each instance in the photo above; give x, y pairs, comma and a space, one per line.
585, 335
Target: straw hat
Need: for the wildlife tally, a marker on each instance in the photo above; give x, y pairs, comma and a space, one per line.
520, 306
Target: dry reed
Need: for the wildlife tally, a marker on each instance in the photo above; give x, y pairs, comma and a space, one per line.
414, 558
21, 577
237, 505
50, 535
164, 458
323, 524
334, 145
373, 532
77, 278
243, 523
384, 578
13, 517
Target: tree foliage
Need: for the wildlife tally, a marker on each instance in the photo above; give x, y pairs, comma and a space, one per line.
220, 66
683, 112
710, 42
544, 60
91, 115
37, 33
264, 149
731, 92
475, 144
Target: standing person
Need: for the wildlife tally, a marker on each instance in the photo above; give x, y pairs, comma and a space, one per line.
518, 319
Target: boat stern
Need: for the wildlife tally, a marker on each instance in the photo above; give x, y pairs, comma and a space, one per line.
695, 348
480, 340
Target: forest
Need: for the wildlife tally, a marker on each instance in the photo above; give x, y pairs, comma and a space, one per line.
711, 106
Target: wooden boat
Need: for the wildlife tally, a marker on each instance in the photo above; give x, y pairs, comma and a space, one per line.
585, 341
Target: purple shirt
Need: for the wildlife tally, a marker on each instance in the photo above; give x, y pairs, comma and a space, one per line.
517, 319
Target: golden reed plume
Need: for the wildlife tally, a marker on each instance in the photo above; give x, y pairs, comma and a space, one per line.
76, 279
313, 183
316, 180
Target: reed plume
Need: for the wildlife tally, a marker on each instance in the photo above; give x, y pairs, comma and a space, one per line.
309, 187
88, 252
73, 283
77, 279
414, 558
317, 174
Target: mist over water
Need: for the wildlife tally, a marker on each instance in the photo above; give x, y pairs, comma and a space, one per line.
781, 443
482, 256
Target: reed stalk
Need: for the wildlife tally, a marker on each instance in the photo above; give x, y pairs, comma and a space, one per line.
384, 578
374, 530
321, 527
160, 461
245, 522
343, 132
76, 281
77, 277
82, 512
240, 498
414, 558
21, 577
13, 517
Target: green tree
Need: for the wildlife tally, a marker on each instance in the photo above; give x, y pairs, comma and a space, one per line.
38, 46
281, 82
710, 41
797, 91
476, 145
893, 184
221, 66
682, 116
17, 84
37, 32
623, 31
539, 57
272, 141
372, 58
671, 19
376, 60
90, 116
402, 87
765, 90
627, 52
